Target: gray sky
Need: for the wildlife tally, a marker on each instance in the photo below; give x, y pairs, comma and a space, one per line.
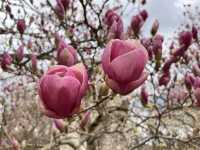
168, 12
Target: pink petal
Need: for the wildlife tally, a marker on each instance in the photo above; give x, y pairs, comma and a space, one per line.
124, 89
106, 59
59, 94
81, 74
129, 67
120, 47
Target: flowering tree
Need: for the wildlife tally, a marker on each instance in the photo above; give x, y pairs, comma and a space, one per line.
74, 77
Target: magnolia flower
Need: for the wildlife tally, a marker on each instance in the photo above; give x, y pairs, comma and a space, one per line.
61, 90
123, 63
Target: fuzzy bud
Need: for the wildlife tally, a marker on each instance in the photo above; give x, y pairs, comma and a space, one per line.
155, 27
20, 53
185, 38
144, 96
59, 124
21, 26
85, 119
6, 60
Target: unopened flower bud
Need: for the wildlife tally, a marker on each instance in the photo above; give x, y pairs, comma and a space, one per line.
59, 124
197, 96
104, 89
196, 70
21, 26
194, 33
180, 51
144, 14
66, 4
185, 38
189, 80
85, 119
60, 10
15, 144
34, 62
136, 24
157, 45
29, 44
144, 96
143, 2
164, 79
155, 27
20, 53
168, 63
6, 60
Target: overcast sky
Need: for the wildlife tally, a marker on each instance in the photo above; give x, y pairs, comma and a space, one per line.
168, 12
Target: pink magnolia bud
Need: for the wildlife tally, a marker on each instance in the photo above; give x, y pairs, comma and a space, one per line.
171, 46
59, 124
66, 54
197, 96
60, 10
29, 45
110, 17
144, 14
20, 53
15, 144
194, 33
116, 30
180, 51
157, 45
189, 80
65, 4
34, 62
61, 90
143, 2
147, 43
178, 94
123, 62
196, 83
114, 23
8, 9
85, 119
21, 26
6, 60
136, 24
168, 63
164, 79
58, 39
155, 27
196, 70
185, 38
144, 96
